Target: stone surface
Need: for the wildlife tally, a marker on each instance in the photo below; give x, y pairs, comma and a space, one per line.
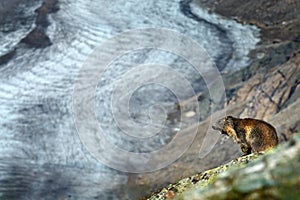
266, 94
37, 38
200, 180
278, 20
48, 6
274, 175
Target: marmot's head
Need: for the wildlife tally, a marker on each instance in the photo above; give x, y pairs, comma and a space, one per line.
225, 125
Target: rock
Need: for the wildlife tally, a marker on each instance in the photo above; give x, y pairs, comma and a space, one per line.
42, 20
37, 38
265, 94
262, 13
287, 121
48, 6
275, 175
201, 179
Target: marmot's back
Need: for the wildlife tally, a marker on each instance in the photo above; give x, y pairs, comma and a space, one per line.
260, 135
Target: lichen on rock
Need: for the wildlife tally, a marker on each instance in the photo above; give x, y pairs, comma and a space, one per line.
274, 175
202, 179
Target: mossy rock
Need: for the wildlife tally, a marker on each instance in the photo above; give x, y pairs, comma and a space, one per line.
200, 180
274, 175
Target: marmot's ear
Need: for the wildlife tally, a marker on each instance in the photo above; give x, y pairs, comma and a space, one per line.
229, 117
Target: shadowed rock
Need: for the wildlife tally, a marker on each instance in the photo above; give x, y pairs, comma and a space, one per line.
37, 38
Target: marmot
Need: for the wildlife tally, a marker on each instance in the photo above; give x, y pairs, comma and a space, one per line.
252, 135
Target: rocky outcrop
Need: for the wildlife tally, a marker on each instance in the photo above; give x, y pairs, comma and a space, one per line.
200, 180
274, 175
264, 95
279, 21
48, 6
38, 38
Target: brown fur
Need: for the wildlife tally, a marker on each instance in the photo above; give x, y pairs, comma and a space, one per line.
252, 135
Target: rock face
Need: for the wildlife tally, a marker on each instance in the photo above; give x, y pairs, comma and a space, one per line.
264, 95
200, 180
37, 38
279, 21
48, 6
